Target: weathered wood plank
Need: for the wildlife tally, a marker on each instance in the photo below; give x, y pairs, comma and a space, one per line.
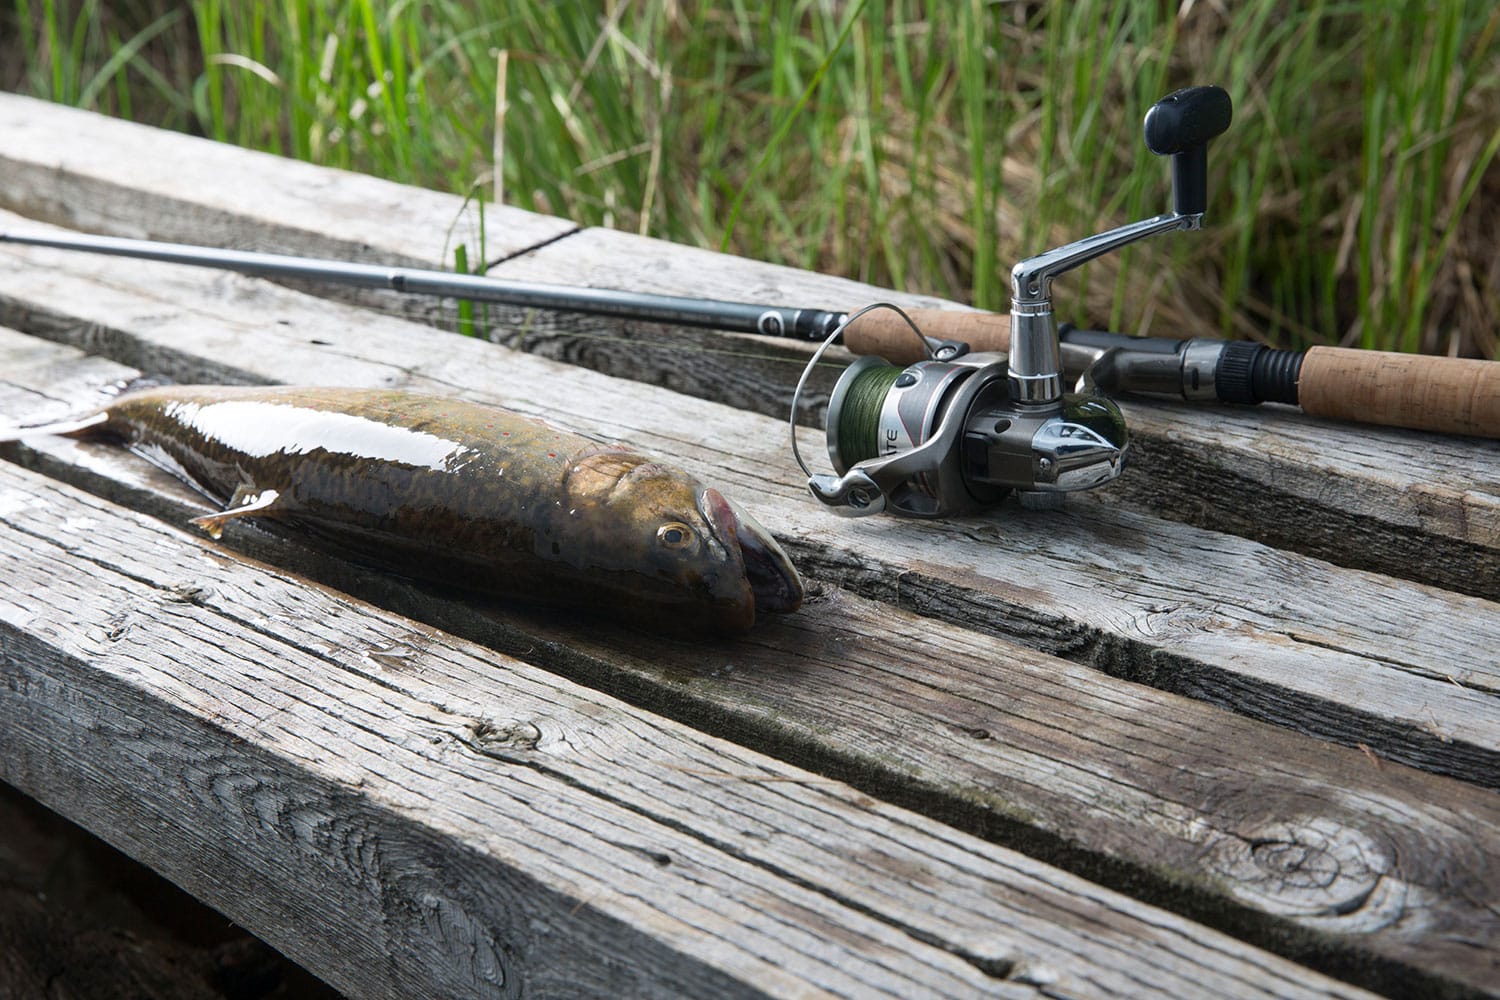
1384, 871
1421, 507
508, 830
97, 173
746, 372
447, 870
1344, 655
134, 181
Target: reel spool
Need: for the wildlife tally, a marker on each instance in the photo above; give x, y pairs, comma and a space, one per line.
879, 411
883, 422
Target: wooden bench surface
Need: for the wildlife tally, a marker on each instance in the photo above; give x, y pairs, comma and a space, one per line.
1229, 726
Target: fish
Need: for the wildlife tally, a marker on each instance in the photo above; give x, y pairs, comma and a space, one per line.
461, 493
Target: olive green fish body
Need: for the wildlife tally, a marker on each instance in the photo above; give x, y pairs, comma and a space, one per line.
467, 494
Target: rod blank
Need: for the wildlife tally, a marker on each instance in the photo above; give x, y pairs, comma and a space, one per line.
740, 317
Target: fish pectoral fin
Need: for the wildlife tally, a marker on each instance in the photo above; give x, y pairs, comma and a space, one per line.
244, 502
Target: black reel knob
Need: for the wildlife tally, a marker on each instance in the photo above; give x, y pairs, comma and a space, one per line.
1180, 125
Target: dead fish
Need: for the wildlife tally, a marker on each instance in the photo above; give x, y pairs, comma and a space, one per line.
462, 493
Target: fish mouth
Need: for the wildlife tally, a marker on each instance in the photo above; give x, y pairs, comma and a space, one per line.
772, 577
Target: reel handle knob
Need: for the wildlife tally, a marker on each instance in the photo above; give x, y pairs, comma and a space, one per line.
1180, 126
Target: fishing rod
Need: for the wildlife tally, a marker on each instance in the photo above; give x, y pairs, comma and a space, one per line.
930, 421
738, 317
1419, 392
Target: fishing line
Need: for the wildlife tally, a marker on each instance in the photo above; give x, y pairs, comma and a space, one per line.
818, 355
858, 428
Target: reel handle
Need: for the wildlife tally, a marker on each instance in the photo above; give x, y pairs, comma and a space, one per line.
1180, 125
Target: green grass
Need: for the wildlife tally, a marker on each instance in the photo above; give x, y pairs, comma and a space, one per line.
926, 146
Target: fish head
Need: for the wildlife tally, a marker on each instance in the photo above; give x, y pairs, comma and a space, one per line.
684, 550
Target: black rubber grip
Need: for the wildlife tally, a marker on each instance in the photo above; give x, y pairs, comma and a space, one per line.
1274, 374
1187, 118
1248, 372
1232, 382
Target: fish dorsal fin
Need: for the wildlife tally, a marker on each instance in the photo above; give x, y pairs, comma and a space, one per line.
244, 502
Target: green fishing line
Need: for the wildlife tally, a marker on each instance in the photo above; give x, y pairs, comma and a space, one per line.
859, 418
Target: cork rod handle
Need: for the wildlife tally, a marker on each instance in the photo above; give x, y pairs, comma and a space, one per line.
1446, 395
884, 334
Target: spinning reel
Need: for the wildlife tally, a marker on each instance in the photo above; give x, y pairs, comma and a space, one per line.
958, 431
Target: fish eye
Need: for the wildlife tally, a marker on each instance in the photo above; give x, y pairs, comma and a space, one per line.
675, 535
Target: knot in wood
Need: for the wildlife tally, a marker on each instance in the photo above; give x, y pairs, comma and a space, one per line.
1314, 869
491, 736
467, 959
1177, 621
190, 593
117, 626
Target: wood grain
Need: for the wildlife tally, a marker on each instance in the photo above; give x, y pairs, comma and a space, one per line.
511, 832
1401, 503
1230, 820
71, 167
424, 865
744, 371
1343, 655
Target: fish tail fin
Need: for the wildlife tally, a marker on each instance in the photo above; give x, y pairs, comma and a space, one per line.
80, 427
92, 424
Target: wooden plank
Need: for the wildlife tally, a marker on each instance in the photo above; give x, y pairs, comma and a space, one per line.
130, 180
447, 867
508, 831
111, 175
1422, 507
744, 371
1344, 655
1190, 806
1417, 506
